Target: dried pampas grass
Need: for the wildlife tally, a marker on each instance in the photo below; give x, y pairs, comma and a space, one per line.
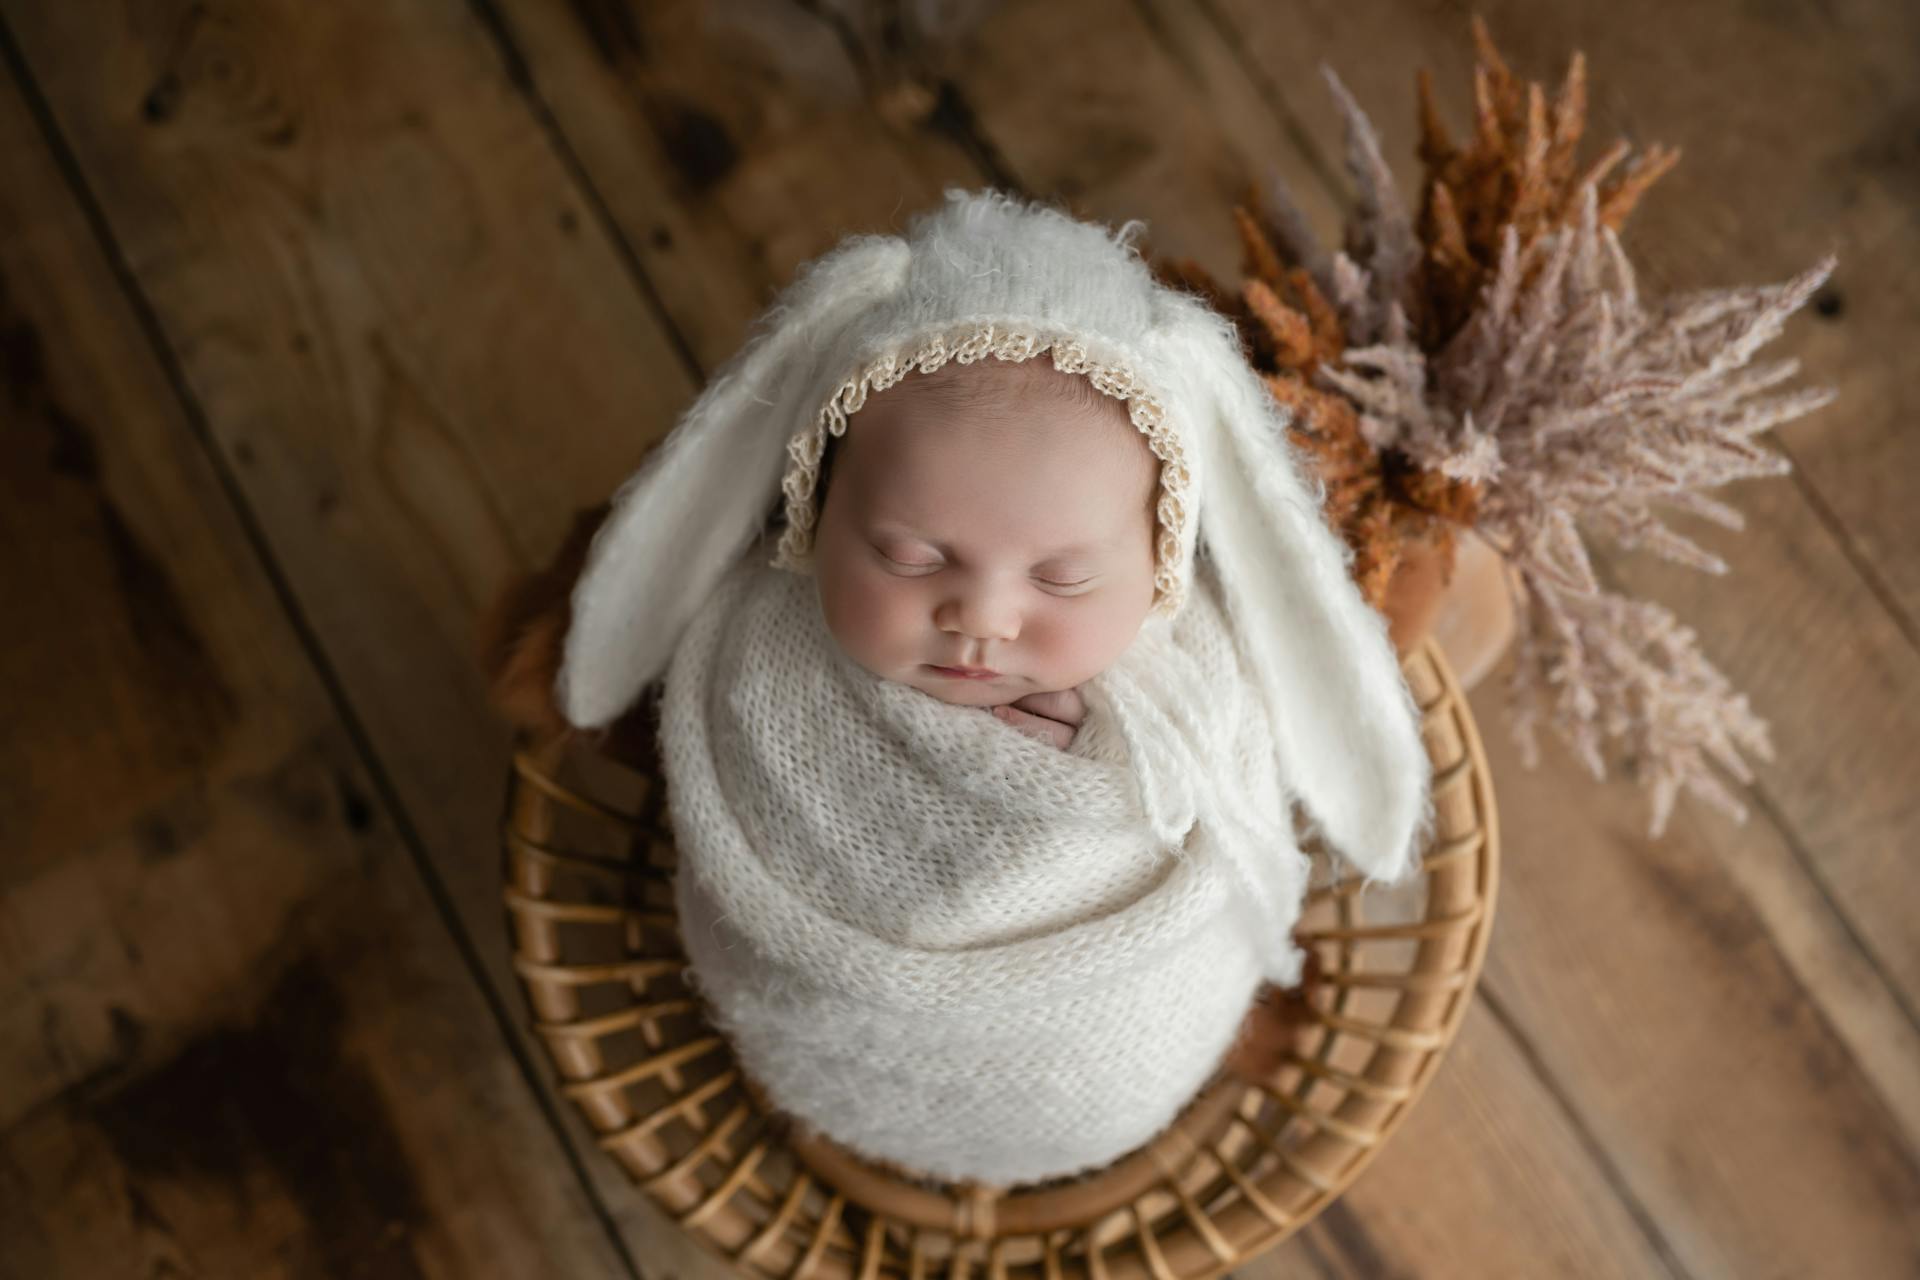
1491, 363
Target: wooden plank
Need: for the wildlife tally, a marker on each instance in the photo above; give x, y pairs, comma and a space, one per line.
1487, 1178
235, 1038
413, 345
1836, 818
723, 165
1705, 1169
1846, 726
1709, 1074
1127, 127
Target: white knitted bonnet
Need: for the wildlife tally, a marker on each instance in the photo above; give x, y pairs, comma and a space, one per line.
987, 275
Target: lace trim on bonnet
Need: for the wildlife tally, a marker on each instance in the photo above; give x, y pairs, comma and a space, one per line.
1172, 510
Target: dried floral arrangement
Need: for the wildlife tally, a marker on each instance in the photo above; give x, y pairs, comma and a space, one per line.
1491, 364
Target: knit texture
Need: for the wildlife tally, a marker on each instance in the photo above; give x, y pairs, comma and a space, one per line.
948, 945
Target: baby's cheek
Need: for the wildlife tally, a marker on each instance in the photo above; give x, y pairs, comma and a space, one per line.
1066, 648
1082, 643
870, 619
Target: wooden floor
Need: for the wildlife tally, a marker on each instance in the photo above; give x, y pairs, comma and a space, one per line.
317, 321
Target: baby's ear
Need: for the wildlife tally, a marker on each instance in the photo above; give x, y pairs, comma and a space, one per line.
684, 518
1346, 730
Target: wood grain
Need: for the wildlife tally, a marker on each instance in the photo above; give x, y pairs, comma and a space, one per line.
1488, 1178
412, 348
235, 1038
724, 161
1707, 1071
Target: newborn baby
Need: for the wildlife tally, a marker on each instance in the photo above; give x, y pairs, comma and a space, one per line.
890, 903
987, 538
1028, 483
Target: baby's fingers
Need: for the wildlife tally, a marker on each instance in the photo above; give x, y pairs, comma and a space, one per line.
1066, 706
1048, 731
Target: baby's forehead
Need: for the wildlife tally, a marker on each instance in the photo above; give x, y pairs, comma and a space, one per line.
1054, 415
989, 384
934, 447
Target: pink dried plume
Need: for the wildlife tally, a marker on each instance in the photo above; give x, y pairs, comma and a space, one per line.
1503, 370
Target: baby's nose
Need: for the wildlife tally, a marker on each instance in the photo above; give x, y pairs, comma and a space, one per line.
980, 615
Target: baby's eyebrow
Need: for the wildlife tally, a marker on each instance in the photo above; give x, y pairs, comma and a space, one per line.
895, 528
1077, 549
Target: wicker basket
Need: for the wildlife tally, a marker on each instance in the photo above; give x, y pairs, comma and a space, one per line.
588, 860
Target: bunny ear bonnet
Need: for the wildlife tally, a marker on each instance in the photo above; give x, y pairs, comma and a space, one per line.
988, 275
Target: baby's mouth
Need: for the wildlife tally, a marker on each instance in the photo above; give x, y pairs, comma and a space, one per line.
964, 673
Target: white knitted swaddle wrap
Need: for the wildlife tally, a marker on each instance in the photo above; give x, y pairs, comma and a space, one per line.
946, 944
938, 941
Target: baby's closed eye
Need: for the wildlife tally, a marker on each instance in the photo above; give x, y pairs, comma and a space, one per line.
916, 564
1066, 582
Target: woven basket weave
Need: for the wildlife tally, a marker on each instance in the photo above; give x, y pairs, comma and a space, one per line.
588, 860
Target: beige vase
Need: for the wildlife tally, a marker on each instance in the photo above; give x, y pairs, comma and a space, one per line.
1459, 595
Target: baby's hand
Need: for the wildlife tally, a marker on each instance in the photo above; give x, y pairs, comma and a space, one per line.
1050, 717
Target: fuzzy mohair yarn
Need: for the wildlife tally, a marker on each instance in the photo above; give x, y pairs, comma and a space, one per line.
1246, 569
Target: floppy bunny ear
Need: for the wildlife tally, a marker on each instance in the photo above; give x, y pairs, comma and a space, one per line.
696, 503
1344, 722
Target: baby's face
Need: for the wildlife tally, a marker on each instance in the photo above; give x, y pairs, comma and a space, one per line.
995, 524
